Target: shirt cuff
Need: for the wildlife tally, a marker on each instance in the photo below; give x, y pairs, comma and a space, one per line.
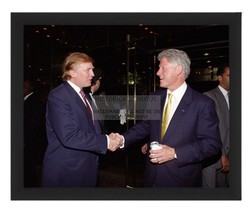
108, 141
123, 142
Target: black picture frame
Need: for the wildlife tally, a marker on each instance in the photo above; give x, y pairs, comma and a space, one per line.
18, 20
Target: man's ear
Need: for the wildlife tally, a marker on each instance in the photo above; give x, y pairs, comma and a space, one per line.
179, 69
72, 73
219, 77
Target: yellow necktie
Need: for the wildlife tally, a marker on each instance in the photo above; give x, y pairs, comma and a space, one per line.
166, 115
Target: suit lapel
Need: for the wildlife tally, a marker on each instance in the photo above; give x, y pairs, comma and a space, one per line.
221, 99
76, 98
159, 124
179, 113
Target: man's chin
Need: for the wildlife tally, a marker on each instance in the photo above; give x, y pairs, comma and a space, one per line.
87, 85
161, 84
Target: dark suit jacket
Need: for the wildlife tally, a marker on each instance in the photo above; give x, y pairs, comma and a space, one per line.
71, 159
223, 115
194, 133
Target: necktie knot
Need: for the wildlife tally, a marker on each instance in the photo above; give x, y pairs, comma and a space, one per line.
82, 93
170, 96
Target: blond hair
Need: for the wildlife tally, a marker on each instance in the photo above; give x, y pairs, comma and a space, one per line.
70, 60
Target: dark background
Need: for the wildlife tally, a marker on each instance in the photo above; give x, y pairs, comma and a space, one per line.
119, 49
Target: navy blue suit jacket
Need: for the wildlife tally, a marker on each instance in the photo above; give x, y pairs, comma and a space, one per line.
71, 158
194, 134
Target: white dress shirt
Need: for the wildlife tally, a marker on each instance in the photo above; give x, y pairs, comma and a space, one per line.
177, 96
225, 94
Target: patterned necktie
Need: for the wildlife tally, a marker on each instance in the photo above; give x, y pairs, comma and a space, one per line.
87, 105
166, 115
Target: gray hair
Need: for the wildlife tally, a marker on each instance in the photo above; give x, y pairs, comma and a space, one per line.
177, 57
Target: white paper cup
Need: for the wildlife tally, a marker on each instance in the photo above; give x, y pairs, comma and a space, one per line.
155, 145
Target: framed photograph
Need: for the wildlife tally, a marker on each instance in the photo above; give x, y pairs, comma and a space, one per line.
39, 44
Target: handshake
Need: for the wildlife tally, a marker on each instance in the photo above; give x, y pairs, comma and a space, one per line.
116, 141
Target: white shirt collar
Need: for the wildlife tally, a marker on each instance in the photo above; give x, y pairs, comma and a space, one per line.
28, 95
177, 96
179, 92
75, 87
223, 90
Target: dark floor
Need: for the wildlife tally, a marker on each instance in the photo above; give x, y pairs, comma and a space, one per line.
115, 170
117, 177
122, 168
111, 176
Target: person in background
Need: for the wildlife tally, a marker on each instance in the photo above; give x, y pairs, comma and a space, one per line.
74, 137
34, 129
216, 174
189, 136
90, 91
